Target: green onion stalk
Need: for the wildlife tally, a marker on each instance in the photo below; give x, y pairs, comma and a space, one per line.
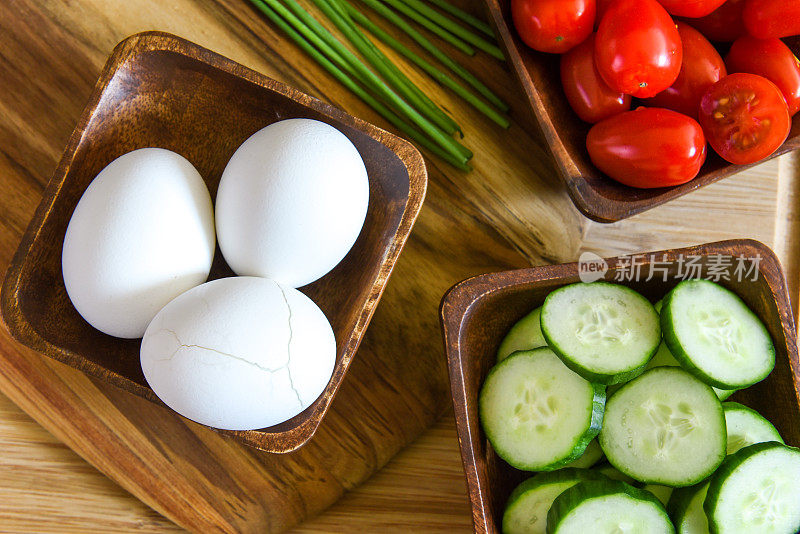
333, 61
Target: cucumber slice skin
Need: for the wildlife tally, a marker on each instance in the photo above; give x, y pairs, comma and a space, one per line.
663, 356
609, 471
623, 375
526, 334
685, 508
733, 462
520, 515
662, 493
685, 359
590, 456
579, 445
760, 428
723, 394
716, 451
586, 491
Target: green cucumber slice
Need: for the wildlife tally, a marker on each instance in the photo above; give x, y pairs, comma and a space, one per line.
756, 490
685, 508
611, 472
526, 510
604, 332
665, 427
715, 336
590, 456
662, 493
607, 507
537, 414
723, 394
664, 358
746, 427
526, 334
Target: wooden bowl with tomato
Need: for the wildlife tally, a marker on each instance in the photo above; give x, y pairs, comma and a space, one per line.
669, 144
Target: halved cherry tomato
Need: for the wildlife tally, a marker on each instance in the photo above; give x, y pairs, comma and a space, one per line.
772, 18
773, 60
702, 67
553, 26
690, 8
724, 24
586, 91
638, 49
648, 147
744, 117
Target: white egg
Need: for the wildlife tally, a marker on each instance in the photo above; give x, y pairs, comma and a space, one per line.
239, 353
141, 234
291, 202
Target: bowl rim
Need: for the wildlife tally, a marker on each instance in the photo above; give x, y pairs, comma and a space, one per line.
583, 196
454, 314
156, 41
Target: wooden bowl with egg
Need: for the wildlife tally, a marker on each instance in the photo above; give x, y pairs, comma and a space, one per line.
597, 196
477, 313
158, 90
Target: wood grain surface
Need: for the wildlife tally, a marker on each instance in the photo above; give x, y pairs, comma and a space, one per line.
512, 211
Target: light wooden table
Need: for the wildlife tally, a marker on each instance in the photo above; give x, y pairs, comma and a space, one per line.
51, 50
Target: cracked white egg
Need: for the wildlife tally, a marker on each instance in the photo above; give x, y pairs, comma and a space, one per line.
239, 353
291, 202
141, 234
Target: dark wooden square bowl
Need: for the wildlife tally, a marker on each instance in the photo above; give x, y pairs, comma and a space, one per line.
159, 90
598, 197
477, 313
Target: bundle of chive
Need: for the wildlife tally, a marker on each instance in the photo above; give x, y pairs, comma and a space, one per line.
389, 91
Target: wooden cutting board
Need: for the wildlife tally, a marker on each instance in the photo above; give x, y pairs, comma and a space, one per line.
510, 212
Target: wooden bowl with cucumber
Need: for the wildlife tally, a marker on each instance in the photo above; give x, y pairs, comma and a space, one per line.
662, 385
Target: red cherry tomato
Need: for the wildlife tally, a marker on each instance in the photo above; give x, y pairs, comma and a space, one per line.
648, 147
602, 7
553, 26
586, 92
702, 67
690, 8
744, 117
638, 49
772, 18
773, 60
724, 24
